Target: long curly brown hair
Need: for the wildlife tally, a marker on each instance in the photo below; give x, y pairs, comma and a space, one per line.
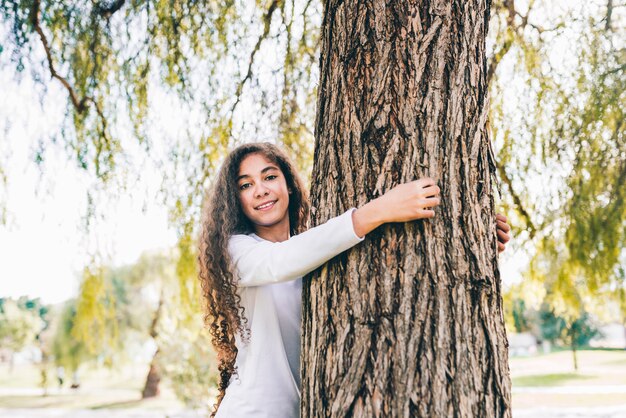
223, 217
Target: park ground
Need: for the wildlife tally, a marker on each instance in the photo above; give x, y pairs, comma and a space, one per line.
544, 386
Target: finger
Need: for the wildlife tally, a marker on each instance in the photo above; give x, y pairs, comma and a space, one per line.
431, 202
503, 236
426, 182
500, 217
501, 247
427, 213
431, 191
503, 226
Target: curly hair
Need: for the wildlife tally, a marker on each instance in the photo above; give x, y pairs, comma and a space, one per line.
222, 218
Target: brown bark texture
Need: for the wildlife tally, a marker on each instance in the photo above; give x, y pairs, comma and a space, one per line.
409, 322
151, 387
153, 379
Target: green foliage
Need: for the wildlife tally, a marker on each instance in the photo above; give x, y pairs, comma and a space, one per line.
574, 331
120, 306
95, 323
188, 360
551, 325
520, 320
187, 274
20, 323
68, 351
121, 63
581, 331
568, 135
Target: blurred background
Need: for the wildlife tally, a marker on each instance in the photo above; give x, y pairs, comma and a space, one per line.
115, 115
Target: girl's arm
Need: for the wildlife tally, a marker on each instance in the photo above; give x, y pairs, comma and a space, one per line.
264, 262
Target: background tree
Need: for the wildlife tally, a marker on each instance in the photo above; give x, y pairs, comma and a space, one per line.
571, 331
579, 332
68, 352
561, 150
123, 306
20, 323
551, 325
520, 318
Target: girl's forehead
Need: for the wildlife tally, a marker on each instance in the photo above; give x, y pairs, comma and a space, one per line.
254, 163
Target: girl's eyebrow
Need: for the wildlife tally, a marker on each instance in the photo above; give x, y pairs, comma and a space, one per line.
268, 168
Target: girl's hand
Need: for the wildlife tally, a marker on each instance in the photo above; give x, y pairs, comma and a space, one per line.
410, 201
502, 231
405, 202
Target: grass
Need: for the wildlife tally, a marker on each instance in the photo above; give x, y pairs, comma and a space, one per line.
598, 368
546, 380
110, 390
100, 389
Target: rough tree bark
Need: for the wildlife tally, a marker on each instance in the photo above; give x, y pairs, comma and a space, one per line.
409, 322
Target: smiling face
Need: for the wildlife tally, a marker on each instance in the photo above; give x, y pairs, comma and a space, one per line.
264, 195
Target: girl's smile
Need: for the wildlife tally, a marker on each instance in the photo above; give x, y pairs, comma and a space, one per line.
266, 206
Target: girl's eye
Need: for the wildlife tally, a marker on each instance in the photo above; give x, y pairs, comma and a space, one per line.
270, 177
244, 186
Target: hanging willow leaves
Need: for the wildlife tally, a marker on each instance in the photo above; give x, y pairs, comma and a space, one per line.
236, 71
558, 120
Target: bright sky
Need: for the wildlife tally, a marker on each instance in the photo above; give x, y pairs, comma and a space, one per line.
43, 248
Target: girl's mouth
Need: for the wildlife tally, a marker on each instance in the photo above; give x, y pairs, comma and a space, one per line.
266, 206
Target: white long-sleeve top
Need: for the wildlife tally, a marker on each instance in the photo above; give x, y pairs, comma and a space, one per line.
267, 383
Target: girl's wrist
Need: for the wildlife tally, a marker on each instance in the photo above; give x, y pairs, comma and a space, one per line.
368, 217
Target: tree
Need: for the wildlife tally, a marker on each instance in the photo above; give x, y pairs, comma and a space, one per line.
410, 322
20, 324
140, 302
551, 326
574, 331
579, 332
68, 351
565, 131
111, 307
520, 318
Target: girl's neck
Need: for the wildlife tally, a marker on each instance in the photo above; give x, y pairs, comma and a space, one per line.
275, 233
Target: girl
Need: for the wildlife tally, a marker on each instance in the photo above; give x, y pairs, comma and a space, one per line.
253, 253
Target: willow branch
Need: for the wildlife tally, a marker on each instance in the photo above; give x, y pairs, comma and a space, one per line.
509, 5
609, 13
79, 104
267, 21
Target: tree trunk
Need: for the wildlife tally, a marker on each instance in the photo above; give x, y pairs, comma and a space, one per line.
409, 322
574, 348
151, 387
624, 323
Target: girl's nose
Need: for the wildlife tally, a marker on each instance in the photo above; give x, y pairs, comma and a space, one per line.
261, 190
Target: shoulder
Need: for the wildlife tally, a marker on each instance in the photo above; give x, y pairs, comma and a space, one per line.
240, 242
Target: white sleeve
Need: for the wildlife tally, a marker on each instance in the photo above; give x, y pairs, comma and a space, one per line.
264, 262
